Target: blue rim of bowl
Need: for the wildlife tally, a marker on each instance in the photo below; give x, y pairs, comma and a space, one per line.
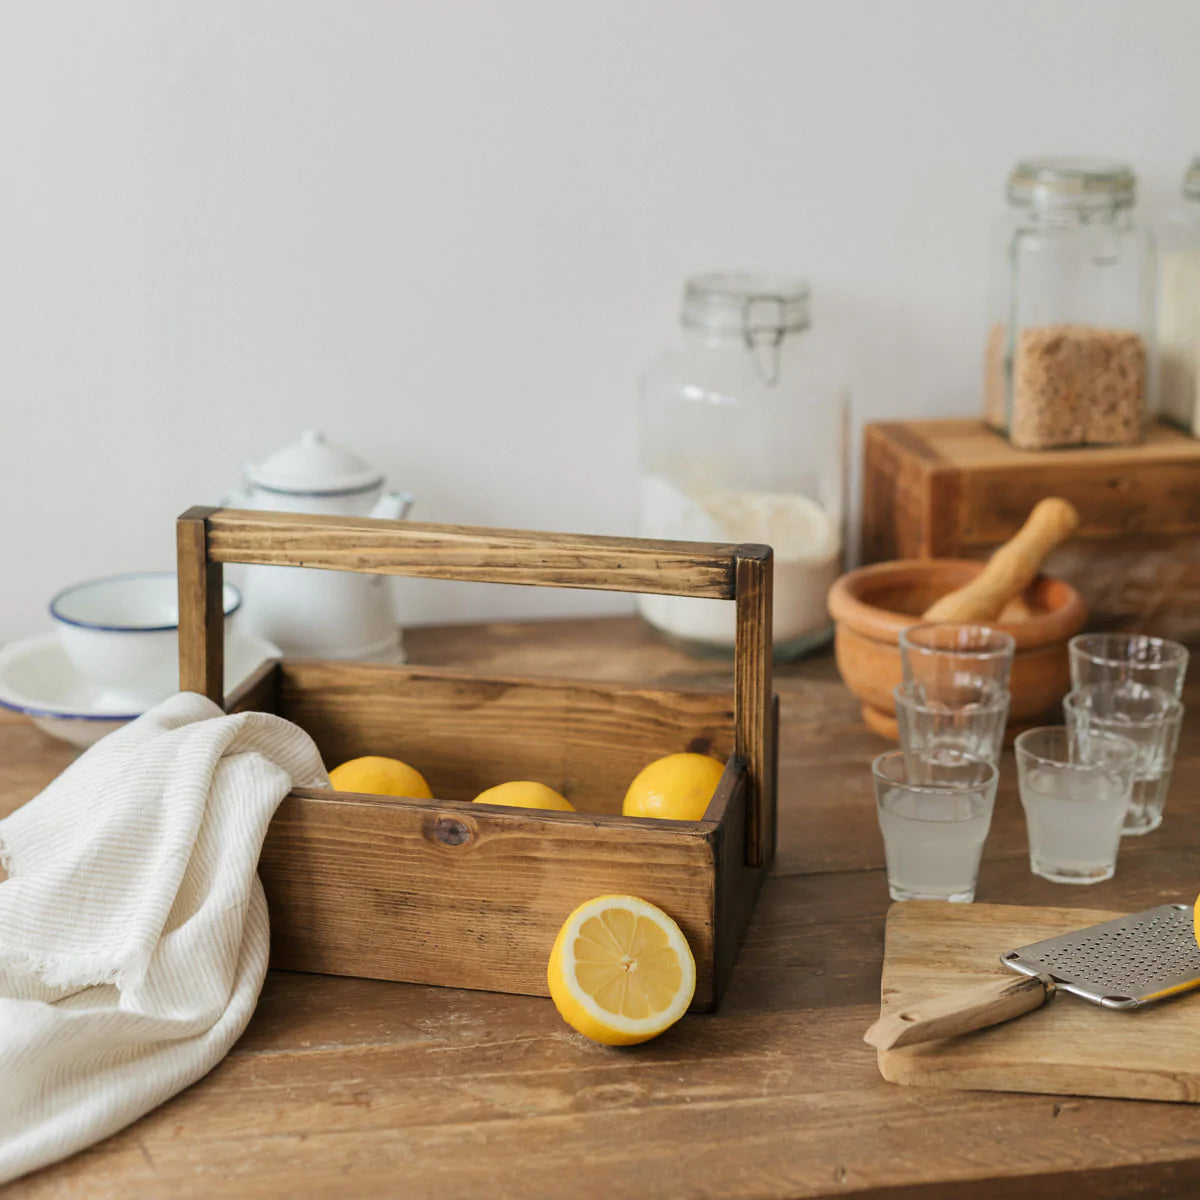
47, 713
237, 603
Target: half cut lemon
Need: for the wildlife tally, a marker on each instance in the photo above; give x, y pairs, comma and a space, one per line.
621, 971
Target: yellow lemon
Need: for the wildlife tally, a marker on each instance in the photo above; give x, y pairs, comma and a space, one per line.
380, 777
524, 793
678, 787
621, 971
1196, 918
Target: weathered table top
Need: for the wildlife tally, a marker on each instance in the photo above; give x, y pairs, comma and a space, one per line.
347, 1088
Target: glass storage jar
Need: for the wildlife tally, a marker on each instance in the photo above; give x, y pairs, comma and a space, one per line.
1179, 309
1067, 361
743, 439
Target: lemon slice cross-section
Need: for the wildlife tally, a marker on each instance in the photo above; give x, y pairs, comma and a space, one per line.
621, 970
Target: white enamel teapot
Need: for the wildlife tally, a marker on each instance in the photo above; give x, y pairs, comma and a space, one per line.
323, 614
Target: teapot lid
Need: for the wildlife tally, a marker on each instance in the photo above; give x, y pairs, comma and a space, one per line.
314, 466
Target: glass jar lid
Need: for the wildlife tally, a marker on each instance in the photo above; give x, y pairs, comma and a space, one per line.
741, 304
1191, 180
1071, 183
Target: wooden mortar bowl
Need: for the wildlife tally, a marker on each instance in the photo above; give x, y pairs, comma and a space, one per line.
873, 604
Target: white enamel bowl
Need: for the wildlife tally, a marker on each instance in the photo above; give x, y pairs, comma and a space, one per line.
38, 679
121, 634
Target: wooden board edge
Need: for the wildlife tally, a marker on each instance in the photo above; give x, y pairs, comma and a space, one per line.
907, 436
909, 1068
728, 786
474, 553
258, 692
418, 672
737, 890
505, 818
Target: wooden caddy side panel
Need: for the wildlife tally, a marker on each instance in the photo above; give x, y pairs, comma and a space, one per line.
738, 883
466, 732
447, 893
472, 896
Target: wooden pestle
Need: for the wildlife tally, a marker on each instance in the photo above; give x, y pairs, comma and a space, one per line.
1012, 568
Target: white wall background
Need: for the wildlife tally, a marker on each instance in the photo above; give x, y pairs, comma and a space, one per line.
451, 233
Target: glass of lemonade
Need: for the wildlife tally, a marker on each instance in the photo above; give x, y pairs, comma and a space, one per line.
934, 813
1075, 792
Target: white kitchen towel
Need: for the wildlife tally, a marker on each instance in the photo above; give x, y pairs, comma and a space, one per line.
133, 927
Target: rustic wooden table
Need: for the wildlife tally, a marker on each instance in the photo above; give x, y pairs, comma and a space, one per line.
348, 1088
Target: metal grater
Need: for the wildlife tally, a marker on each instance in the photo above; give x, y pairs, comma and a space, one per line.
1119, 964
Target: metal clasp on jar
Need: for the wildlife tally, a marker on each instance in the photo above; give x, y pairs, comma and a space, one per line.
764, 324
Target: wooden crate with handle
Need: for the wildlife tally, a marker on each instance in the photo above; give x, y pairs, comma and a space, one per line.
469, 895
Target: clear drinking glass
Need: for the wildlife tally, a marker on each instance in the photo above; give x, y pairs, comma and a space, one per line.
1075, 795
934, 813
952, 661
975, 726
1148, 717
1153, 662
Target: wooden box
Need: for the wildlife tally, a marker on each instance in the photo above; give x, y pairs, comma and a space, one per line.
955, 489
470, 895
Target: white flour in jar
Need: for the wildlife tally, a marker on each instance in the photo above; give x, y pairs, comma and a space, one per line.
1179, 337
808, 557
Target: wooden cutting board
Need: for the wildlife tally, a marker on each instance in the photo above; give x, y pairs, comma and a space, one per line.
1069, 1047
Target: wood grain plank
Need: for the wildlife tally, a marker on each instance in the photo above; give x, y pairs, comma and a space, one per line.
201, 609
754, 740
258, 692
463, 895
466, 733
738, 883
475, 554
340, 1086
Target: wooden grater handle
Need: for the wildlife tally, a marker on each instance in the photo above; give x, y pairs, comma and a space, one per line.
210, 537
976, 1007
1012, 568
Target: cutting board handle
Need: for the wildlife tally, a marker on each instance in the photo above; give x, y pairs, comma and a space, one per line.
975, 1007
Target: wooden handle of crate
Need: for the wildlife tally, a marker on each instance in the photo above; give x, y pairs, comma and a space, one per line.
210, 537
1012, 568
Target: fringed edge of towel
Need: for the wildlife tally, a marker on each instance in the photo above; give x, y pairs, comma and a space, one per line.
77, 971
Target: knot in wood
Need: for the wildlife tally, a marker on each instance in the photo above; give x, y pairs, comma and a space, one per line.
449, 831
